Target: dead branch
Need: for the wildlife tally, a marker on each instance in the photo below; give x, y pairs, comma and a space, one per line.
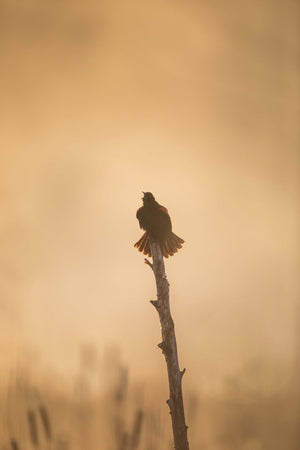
169, 348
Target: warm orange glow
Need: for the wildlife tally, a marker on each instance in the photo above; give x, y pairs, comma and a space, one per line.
193, 101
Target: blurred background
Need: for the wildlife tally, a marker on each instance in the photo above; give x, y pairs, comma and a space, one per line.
197, 102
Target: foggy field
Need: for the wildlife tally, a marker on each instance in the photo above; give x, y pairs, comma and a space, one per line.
106, 410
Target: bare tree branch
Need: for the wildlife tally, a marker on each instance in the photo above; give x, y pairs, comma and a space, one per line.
169, 348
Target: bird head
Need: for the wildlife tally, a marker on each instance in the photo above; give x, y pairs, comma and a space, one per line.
148, 198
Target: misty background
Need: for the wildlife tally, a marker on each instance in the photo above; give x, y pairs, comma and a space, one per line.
197, 102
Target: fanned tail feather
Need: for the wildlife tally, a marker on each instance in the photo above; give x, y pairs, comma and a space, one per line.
171, 245
143, 245
164, 250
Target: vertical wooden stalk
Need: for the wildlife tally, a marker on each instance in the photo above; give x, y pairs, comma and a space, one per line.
45, 421
33, 430
169, 348
14, 444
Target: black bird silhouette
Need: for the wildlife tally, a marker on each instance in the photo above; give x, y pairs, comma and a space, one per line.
155, 219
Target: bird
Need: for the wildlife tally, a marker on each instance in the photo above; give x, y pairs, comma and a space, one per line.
155, 220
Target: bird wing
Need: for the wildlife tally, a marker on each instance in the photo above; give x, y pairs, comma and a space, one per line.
165, 217
163, 209
139, 216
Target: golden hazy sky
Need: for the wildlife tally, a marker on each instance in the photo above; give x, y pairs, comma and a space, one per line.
197, 102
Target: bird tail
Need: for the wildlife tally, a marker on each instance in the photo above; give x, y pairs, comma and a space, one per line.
170, 246
143, 244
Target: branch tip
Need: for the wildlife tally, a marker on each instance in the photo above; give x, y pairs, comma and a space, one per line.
162, 346
168, 402
154, 303
182, 372
148, 263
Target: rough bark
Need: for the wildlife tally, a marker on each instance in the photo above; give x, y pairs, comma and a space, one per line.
169, 348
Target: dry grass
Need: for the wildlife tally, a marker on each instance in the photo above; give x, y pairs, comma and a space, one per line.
127, 416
